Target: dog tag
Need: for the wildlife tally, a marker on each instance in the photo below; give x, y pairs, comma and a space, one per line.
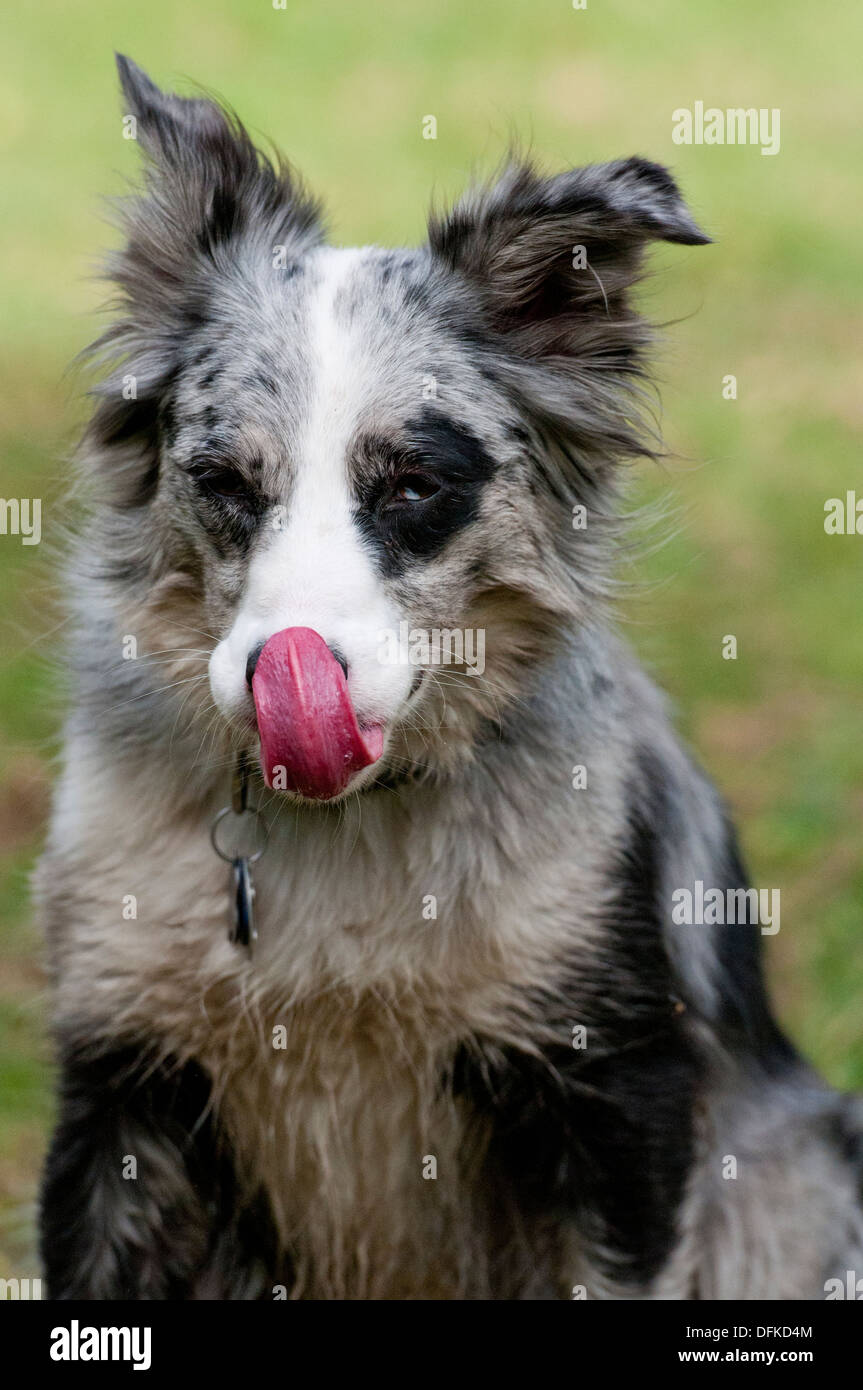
244, 932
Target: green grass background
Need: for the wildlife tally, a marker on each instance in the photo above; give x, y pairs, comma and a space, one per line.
343, 88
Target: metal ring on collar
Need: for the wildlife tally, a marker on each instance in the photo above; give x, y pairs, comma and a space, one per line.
230, 858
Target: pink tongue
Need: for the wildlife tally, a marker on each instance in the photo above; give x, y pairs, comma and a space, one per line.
310, 740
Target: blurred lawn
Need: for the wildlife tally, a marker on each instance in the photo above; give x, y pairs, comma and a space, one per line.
343, 89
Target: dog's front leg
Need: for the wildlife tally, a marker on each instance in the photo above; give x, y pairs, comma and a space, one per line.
131, 1181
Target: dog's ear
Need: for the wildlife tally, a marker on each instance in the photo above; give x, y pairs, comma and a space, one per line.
552, 258
211, 202
170, 128
207, 172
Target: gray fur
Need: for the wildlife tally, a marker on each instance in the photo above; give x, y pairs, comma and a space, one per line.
475, 805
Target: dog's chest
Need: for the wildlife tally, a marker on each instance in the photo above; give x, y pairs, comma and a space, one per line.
342, 1111
330, 1047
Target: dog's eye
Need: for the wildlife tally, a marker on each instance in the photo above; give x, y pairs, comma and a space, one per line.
414, 487
221, 481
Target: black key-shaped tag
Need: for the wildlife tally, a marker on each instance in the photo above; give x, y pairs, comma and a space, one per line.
240, 827
244, 932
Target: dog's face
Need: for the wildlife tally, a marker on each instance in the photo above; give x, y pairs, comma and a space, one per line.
355, 470
337, 462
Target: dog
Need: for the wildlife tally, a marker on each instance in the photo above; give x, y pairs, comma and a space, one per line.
367, 980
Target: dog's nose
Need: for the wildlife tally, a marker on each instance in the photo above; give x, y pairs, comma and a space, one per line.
252, 661
254, 654
339, 658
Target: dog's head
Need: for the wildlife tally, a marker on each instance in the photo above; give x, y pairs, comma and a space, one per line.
378, 482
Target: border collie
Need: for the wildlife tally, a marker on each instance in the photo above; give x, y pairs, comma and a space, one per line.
367, 977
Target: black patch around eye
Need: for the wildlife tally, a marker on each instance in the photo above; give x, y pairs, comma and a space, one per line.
222, 481
229, 504
450, 455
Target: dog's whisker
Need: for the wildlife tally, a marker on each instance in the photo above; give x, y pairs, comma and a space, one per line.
153, 694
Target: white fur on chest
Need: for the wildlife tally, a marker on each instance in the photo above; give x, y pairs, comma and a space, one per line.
430, 890
386, 941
